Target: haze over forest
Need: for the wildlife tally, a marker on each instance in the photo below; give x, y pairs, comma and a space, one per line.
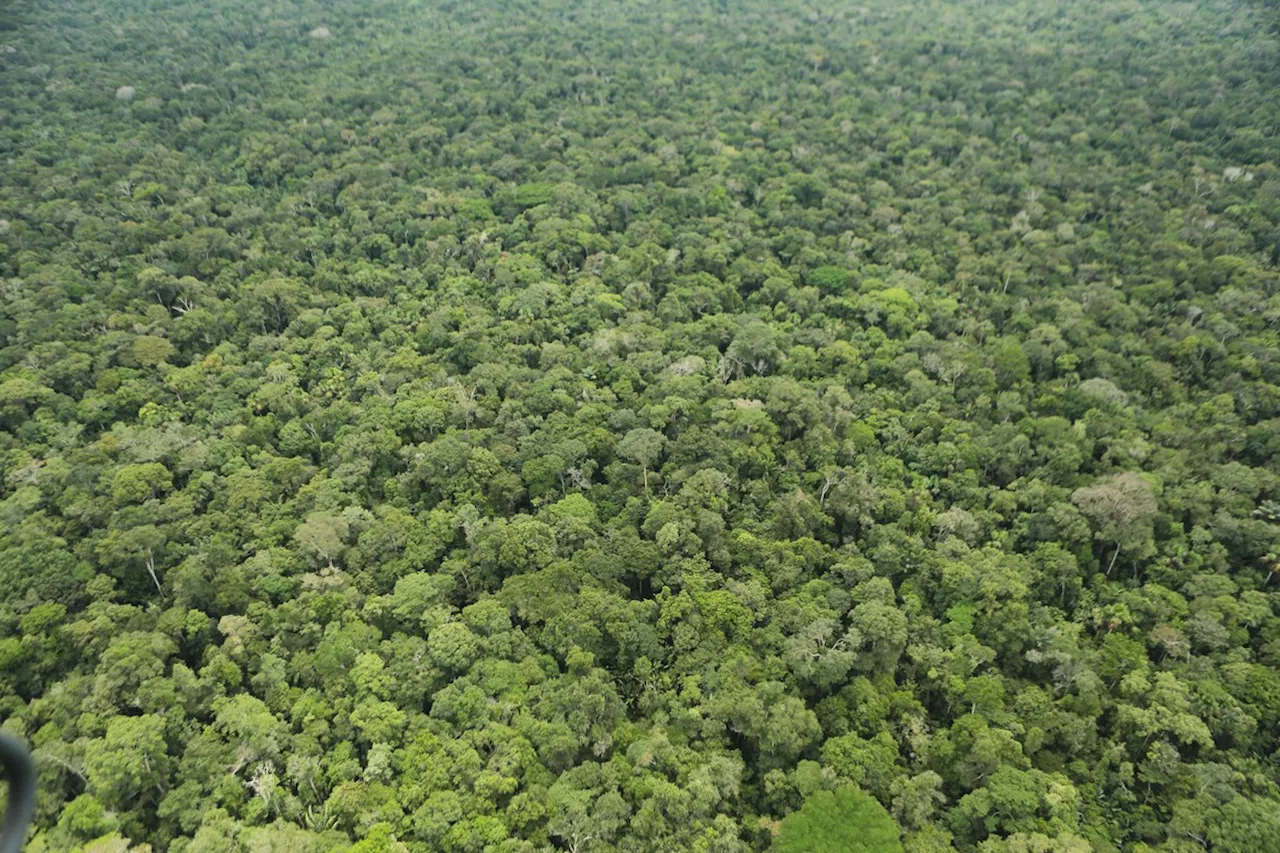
612, 427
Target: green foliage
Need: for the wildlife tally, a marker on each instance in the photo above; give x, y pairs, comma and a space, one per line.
497, 428
845, 819
534, 194
128, 762
831, 279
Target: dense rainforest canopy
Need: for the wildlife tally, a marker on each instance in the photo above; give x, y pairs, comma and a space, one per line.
508, 427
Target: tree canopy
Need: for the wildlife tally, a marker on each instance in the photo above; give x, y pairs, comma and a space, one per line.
846, 819
514, 427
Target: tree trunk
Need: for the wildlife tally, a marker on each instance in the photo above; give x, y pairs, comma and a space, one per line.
1112, 564
151, 570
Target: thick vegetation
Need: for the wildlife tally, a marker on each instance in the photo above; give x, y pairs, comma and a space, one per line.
600, 426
